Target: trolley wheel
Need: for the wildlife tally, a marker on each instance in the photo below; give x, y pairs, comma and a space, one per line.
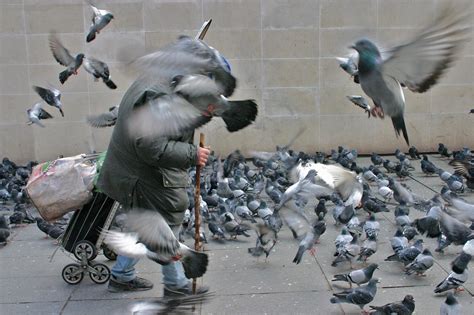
85, 248
101, 273
72, 273
108, 253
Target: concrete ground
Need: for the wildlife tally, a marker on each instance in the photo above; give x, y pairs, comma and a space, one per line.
31, 282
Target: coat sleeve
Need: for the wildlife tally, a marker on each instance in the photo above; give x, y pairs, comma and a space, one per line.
164, 152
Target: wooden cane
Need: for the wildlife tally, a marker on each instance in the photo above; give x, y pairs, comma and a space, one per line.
197, 207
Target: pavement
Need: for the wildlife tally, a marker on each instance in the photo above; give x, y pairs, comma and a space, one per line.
31, 281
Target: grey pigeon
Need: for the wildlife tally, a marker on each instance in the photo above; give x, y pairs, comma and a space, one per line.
359, 276
421, 264
100, 19
404, 307
51, 96
105, 119
361, 102
37, 113
349, 65
417, 65
408, 254
216, 230
368, 248
450, 306
266, 240
452, 281
99, 70
150, 236
64, 58
359, 296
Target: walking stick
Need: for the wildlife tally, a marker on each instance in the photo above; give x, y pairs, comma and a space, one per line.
197, 207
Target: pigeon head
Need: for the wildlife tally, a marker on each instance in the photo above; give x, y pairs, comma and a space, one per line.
450, 299
79, 59
369, 55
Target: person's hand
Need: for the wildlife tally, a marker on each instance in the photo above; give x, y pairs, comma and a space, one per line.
202, 155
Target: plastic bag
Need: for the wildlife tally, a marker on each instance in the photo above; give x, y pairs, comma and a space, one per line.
60, 186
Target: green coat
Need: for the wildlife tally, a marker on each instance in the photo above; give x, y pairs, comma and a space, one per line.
146, 172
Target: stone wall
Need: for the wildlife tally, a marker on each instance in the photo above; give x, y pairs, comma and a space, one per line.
281, 51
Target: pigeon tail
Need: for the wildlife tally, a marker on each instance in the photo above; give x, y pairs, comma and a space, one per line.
194, 264
110, 84
240, 114
299, 255
91, 36
341, 277
64, 75
61, 111
399, 124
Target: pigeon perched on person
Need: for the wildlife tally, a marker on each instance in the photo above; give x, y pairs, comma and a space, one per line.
64, 58
150, 236
417, 65
99, 70
100, 19
51, 96
37, 113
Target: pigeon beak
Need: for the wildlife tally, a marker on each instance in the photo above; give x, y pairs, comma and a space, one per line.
352, 47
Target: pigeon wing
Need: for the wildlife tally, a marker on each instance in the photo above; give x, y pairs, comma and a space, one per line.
153, 231
102, 120
166, 115
44, 114
60, 53
420, 63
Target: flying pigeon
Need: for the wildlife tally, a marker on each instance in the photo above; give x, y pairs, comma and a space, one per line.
36, 113
51, 96
150, 236
418, 65
64, 58
100, 19
99, 70
105, 119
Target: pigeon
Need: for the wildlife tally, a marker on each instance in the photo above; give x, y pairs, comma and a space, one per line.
347, 252
368, 248
4, 229
361, 102
100, 19
413, 152
99, 70
359, 276
105, 119
452, 281
421, 264
404, 307
427, 166
150, 236
64, 58
408, 254
192, 100
471, 111
216, 230
371, 227
443, 150
233, 228
466, 170
266, 240
454, 230
376, 159
418, 65
179, 304
321, 208
37, 113
429, 224
49, 229
450, 306
51, 96
359, 296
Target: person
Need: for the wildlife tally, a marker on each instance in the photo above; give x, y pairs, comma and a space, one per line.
144, 172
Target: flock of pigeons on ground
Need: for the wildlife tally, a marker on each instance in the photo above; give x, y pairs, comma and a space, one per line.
240, 198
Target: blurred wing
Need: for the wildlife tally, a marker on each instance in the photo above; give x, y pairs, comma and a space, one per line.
262, 155
419, 64
125, 244
153, 231
42, 92
293, 219
60, 53
102, 120
44, 114
198, 85
167, 115
99, 66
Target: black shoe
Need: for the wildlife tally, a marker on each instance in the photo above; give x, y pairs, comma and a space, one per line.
137, 284
184, 291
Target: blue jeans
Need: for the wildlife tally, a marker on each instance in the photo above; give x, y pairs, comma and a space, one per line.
173, 273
